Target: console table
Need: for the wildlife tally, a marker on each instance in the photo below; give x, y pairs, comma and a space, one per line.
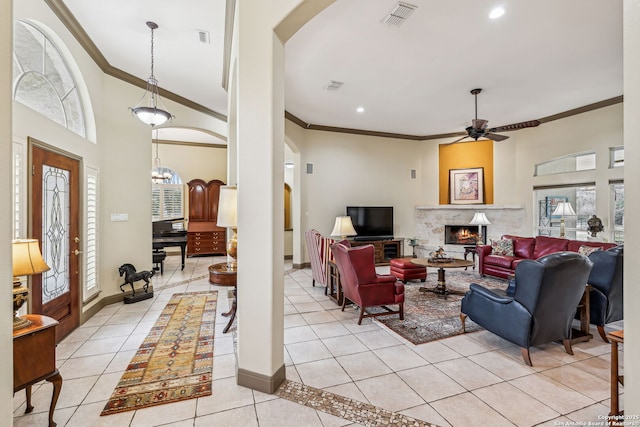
34, 359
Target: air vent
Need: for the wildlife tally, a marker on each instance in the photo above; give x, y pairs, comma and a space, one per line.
334, 85
203, 36
399, 14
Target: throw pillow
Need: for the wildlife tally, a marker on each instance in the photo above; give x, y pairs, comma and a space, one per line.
588, 250
502, 247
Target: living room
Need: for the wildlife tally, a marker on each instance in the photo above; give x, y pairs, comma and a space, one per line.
525, 149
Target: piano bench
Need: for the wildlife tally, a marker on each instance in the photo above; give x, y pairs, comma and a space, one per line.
158, 260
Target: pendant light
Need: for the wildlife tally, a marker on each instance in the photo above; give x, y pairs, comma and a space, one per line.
150, 108
159, 175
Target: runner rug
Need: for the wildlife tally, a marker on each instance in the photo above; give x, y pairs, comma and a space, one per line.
429, 316
175, 361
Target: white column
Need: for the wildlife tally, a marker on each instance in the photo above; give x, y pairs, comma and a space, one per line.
6, 336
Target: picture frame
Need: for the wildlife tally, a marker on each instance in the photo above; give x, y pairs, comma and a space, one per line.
552, 202
466, 186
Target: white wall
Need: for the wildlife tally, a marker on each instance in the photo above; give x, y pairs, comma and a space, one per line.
193, 161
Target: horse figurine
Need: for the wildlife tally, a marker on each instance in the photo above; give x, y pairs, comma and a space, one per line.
131, 276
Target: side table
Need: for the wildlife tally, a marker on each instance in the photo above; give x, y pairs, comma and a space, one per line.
616, 337
34, 359
470, 250
220, 274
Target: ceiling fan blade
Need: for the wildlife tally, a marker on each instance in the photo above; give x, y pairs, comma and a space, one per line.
495, 136
479, 123
516, 126
457, 140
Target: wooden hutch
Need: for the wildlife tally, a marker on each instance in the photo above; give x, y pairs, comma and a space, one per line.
204, 237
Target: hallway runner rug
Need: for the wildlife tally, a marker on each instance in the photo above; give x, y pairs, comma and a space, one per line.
175, 361
428, 316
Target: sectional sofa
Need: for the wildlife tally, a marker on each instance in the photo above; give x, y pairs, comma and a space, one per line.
494, 261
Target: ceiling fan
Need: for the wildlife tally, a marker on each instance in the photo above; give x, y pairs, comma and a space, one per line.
479, 129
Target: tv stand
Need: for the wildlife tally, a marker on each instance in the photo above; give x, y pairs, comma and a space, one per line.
384, 249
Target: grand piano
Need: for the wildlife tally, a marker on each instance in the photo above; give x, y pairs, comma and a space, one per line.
170, 233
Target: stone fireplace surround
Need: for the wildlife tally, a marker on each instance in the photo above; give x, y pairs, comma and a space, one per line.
431, 221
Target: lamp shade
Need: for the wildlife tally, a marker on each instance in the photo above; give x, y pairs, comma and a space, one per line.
27, 259
228, 207
564, 209
479, 218
343, 227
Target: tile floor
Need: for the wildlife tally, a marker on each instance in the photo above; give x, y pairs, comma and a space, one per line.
473, 379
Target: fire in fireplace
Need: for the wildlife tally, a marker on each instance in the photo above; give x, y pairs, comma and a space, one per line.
463, 234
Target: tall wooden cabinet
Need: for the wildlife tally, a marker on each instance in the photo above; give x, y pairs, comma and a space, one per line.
204, 237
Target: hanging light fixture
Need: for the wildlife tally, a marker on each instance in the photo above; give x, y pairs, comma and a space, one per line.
159, 175
150, 108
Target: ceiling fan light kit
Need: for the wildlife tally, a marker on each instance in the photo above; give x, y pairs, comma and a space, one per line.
150, 109
479, 129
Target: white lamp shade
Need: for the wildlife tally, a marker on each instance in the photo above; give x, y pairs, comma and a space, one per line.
479, 218
228, 207
343, 227
27, 259
564, 209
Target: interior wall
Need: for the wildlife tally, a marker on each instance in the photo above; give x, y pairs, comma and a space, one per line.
477, 154
193, 161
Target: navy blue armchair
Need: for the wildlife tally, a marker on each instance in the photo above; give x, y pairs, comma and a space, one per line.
541, 309
606, 303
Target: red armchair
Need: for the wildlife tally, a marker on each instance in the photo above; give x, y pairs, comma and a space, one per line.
362, 285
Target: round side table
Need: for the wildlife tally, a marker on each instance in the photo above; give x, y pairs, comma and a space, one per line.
220, 274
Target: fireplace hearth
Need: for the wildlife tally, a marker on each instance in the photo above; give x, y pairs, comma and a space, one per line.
463, 234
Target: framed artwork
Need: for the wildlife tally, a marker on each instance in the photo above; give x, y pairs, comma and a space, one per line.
466, 186
552, 203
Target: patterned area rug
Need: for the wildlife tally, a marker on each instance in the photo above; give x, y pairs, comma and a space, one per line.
175, 361
430, 317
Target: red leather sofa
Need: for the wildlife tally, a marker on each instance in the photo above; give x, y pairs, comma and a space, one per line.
527, 248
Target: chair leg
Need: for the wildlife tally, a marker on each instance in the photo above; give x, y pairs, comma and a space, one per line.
463, 317
313, 282
603, 334
361, 315
344, 302
567, 346
401, 310
526, 356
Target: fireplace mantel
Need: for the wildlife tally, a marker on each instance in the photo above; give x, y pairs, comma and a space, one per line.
431, 220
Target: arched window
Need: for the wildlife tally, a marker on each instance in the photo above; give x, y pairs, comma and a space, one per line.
42, 80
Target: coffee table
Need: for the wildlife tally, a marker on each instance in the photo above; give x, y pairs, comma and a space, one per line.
441, 287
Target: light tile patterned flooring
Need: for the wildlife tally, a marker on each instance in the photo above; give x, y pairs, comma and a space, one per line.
332, 364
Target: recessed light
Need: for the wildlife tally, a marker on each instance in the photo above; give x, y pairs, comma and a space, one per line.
360, 109
496, 12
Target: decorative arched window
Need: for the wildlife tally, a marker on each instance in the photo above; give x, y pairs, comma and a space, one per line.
42, 80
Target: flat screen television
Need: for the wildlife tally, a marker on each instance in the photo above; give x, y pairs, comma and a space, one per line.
372, 222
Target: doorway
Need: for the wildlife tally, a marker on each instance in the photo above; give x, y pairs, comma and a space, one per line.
55, 223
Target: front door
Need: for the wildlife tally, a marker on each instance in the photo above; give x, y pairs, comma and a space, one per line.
55, 213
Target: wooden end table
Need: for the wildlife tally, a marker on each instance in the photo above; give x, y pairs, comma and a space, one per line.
222, 275
616, 337
441, 287
34, 359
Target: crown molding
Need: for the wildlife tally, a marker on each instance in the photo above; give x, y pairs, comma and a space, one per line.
583, 109
66, 17
188, 143
229, 21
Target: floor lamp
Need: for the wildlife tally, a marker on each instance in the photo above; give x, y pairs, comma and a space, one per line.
479, 219
563, 209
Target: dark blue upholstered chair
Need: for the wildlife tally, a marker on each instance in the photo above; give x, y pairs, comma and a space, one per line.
606, 293
541, 310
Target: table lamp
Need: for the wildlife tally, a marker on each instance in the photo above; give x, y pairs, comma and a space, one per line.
563, 209
343, 227
228, 217
479, 219
27, 261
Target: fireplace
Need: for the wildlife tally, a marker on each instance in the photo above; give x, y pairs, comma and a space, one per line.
463, 234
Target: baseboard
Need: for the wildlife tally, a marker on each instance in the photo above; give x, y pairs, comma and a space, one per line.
259, 382
108, 300
303, 265
288, 257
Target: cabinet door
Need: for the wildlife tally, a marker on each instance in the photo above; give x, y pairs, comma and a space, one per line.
213, 195
198, 197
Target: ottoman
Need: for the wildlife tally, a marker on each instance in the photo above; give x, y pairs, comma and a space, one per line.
405, 270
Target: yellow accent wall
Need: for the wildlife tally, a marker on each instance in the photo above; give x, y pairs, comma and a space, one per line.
478, 154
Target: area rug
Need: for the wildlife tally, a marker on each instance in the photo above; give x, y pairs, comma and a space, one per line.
430, 317
175, 361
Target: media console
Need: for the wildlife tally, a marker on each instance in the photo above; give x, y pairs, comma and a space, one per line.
385, 250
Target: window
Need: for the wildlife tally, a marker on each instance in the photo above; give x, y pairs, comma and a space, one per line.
582, 198
617, 212
571, 163
42, 80
616, 157
167, 201
91, 284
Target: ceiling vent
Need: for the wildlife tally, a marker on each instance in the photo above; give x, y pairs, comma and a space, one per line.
399, 14
203, 36
334, 85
